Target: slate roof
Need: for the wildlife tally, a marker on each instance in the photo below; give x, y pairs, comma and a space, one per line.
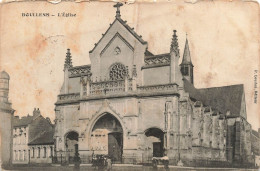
147, 53
45, 138
220, 98
24, 121
255, 133
131, 30
186, 60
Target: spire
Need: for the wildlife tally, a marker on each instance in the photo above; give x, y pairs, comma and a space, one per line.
174, 44
186, 54
68, 60
117, 6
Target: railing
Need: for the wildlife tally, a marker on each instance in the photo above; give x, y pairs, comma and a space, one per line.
158, 88
115, 87
71, 96
163, 59
79, 71
107, 87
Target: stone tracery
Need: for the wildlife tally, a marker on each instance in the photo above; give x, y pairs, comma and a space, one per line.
117, 72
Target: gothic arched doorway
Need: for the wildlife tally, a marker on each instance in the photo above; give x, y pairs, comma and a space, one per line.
155, 141
107, 137
71, 139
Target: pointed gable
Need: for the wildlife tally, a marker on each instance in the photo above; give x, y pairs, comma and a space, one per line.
119, 44
126, 26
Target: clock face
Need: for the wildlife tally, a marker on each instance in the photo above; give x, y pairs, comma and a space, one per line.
117, 51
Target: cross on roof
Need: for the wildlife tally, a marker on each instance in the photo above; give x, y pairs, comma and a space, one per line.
117, 6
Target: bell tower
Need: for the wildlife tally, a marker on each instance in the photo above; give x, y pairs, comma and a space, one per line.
186, 64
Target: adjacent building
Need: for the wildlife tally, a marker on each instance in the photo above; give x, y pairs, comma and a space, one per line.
32, 139
6, 115
255, 139
133, 105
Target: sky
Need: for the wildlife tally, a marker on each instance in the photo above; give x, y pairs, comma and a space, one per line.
222, 38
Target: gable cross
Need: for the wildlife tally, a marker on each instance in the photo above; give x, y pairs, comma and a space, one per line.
117, 6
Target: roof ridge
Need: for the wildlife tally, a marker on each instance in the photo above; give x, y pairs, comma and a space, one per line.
131, 30
221, 86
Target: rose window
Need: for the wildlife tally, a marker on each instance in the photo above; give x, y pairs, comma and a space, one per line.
118, 72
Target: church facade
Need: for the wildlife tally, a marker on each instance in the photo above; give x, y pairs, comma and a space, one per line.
133, 105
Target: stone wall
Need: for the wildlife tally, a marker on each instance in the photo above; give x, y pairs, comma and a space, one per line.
157, 75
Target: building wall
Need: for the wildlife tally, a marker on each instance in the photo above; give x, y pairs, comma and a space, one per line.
67, 118
41, 153
6, 137
22, 135
132, 52
202, 133
20, 148
74, 85
6, 116
155, 76
255, 146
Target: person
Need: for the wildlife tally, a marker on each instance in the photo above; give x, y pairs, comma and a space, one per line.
109, 164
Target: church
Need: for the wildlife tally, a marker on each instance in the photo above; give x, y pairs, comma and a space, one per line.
133, 105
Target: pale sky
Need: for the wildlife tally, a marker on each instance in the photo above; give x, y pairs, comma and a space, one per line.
222, 38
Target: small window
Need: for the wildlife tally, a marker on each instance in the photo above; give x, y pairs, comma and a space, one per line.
33, 152
51, 152
39, 152
24, 155
14, 154
44, 152
19, 155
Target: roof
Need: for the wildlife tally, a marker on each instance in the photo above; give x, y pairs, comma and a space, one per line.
186, 55
44, 138
255, 133
147, 53
223, 99
24, 121
4, 75
131, 30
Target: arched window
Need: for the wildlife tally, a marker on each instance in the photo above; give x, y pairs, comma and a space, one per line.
51, 151
20, 155
33, 152
24, 155
39, 152
14, 154
118, 72
44, 152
